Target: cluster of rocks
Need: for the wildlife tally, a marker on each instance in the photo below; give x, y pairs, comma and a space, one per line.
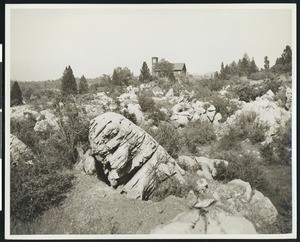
220, 208
185, 112
100, 103
131, 160
44, 119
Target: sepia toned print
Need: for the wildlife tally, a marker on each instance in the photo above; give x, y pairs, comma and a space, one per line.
150, 121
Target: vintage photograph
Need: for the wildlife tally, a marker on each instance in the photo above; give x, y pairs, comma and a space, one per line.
150, 121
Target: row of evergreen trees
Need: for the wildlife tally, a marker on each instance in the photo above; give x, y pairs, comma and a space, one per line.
246, 67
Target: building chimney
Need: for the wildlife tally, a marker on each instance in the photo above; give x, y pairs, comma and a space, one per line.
154, 62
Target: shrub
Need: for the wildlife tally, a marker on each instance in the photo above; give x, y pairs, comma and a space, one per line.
246, 127
198, 133
248, 93
262, 75
281, 97
169, 187
23, 129
257, 132
153, 112
168, 137
35, 188
223, 106
130, 116
249, 169
279, 150
146, 102
216, 84
272, 85
246, 168
230, 141
73, 131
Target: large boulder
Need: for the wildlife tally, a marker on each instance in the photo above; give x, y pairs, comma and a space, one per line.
19, 152
129, 156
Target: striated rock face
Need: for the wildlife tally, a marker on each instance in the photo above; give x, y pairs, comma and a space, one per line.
130, 156
19, 152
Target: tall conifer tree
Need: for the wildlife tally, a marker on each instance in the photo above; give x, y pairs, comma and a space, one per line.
145, 73
83, 86
16, 97
68, 82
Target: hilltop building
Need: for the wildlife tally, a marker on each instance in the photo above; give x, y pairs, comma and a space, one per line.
178, 68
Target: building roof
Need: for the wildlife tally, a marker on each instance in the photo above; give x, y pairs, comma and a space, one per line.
178, 66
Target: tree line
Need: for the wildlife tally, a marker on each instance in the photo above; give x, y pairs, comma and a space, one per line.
123, 76
246, 67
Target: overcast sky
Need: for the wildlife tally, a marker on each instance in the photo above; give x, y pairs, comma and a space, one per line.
94, 41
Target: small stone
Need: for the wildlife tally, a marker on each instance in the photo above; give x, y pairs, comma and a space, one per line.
191, 198
204, 203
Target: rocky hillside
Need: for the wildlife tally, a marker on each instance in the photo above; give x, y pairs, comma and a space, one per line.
154, 158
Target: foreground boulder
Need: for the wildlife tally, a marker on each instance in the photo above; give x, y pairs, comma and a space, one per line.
129, 156
217, 222
223, 209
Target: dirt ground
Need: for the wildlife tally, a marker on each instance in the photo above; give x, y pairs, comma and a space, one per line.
92, 207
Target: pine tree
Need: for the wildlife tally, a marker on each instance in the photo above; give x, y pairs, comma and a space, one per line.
253, 67
68, 82
16, 95
83, 86
267, 63
283, 64
222, 72
145, 73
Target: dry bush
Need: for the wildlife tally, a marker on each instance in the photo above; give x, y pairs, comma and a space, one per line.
246, 127
198, 133
278, 152
168, 137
